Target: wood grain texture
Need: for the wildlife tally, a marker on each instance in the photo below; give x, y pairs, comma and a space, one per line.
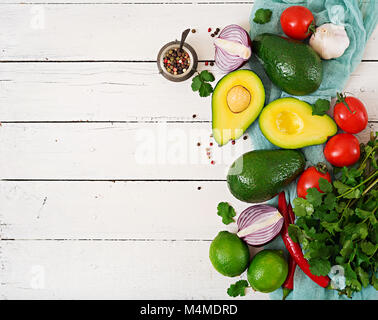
156, 210
116, 32
123, 92
111, 270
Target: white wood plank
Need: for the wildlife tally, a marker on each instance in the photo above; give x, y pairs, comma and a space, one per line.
113, 151
113, 210
116, 151
122, 92
111, 270
117, 31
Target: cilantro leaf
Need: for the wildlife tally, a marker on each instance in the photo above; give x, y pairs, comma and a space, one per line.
262, 16
374, 282
331, 227
238, 288
207, 76
295, 233
302, 207
363, 214
347, 249
196, 83
341, 187
317, 249
319, 266
226, 212
350, 175
205, 90
314, 197
325, 185
320, 107
330, 201
368, 248
363, 276
200, 83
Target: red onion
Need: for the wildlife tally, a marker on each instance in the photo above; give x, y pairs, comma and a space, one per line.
232, 48
259, 224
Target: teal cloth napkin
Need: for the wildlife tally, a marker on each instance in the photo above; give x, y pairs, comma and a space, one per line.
359, 19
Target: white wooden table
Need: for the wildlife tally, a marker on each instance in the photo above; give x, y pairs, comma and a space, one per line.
91, 205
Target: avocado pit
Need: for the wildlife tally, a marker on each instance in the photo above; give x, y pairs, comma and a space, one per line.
238, 99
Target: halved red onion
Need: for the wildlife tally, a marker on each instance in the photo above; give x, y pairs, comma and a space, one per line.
232, 48
259, 224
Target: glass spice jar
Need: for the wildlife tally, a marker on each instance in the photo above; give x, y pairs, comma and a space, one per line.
175, 64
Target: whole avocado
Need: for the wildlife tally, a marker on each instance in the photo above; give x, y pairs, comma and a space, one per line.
259, 175
290, 64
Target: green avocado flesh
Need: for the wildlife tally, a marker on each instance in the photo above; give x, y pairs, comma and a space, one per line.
237, 100
291, 65
259, 175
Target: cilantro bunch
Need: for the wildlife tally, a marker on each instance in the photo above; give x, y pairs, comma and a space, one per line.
339, 226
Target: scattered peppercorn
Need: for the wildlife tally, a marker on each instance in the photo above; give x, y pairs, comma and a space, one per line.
211, 143
213, 35
233, 141
209, 30
212, 162
194, 115
198, 144
211, 63
176, 61
206, 63
245, 137
193, 30
199, 188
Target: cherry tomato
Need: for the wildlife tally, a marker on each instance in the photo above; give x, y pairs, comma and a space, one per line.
296, 21
342, 150
310, 179
352, 118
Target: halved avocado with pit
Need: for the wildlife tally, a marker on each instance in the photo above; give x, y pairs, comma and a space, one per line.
237, 100
288, 123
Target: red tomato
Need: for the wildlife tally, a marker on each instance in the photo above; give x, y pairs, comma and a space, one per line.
353, 120
295, 22
310, 179
342, 150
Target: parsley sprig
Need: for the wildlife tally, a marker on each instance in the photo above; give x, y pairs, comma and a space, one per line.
262, 16
227, 212
339, 226
238, 288
201, 83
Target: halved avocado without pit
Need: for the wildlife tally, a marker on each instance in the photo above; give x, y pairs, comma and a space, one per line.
237, 100
288, 123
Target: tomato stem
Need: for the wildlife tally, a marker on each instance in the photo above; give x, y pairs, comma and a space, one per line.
341, 98
311, 28
322, 167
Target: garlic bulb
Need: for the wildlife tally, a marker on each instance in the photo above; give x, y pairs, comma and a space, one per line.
330, 41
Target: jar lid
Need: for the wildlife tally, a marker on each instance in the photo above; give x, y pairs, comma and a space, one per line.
179, 77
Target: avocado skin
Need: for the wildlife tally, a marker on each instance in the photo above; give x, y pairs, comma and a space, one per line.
259, 175
291, 65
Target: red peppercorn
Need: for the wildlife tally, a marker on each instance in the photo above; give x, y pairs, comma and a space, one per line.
211, 143
233, 141
206, 63
209, 30
212, 162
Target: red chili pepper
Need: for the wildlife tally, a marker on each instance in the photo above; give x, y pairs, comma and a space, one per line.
295, 249
288, 285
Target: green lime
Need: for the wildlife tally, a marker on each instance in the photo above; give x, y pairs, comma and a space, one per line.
267, 271
229, 254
